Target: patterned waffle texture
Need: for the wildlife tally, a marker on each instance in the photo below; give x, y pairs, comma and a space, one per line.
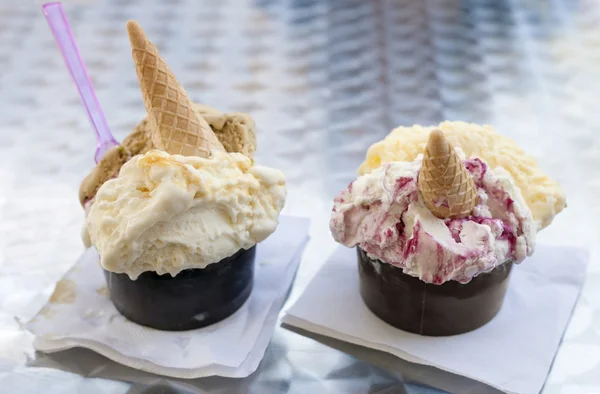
177, 127
445, 184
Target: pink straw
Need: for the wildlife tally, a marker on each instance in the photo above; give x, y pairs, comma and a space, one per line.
55, 15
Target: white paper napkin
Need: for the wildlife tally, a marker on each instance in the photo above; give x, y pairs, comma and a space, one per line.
83, 316
512, 353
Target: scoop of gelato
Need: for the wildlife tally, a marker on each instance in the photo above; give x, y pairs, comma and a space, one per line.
236, 131
543, 195
166, 213
384, 214
136, 143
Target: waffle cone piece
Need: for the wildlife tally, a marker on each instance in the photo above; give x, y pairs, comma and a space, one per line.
176, 126
445, 184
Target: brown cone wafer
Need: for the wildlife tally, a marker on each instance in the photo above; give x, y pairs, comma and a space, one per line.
445, 184
177, 128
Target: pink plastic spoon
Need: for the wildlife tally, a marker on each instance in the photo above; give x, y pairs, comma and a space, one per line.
55, 15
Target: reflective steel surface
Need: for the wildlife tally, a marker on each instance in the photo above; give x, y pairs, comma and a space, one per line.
323, 80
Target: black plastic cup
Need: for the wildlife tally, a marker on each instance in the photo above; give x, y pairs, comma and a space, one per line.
413, 305
192, 299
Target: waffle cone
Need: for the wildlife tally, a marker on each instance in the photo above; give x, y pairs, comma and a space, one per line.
176, 127
445, 184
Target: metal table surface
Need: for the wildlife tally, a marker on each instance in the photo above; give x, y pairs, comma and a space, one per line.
323, 79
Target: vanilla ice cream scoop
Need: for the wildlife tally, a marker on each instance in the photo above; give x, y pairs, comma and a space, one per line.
383, 213
166, 213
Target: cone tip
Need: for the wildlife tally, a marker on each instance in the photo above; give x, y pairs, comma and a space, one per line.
137, 37
436, 136
437, 145
439, 158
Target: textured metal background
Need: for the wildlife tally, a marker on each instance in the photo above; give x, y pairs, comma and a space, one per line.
323, 79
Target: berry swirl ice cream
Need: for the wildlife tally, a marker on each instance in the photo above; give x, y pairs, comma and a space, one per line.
438, 224
167, 213
384, 214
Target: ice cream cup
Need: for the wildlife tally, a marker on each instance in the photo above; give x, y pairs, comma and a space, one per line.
192, 299
412, 305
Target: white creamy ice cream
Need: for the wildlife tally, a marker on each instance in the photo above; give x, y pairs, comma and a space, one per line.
383, 213
166, 213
